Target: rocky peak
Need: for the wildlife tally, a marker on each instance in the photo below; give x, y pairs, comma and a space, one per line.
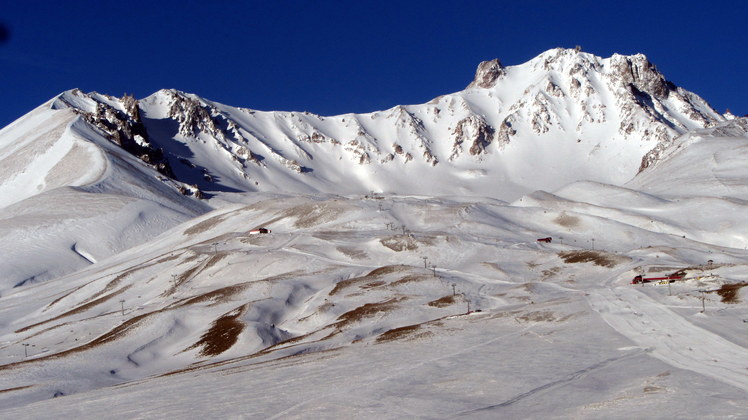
192, 116
641, 74
565, 60
125, 128
487, 74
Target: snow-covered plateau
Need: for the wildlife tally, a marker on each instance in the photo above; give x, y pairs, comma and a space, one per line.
400, 274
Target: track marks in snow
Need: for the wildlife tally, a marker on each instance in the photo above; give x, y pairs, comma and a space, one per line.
671, 337
285, 413
574, 376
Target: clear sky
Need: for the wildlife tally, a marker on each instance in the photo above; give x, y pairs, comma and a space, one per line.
334, 57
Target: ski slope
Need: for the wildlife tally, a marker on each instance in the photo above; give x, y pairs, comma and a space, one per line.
670, 337
556, 336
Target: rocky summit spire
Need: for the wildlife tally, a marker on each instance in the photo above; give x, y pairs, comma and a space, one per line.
487, 74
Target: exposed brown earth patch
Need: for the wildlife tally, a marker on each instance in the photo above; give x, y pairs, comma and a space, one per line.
493, 266
109, 286
600, 258
312, 214
343, 284
650, 389
409, 279
529, 287
387, 269
442, 302
114, 282
113, 334
325, 307
536, 316
167, 258
567, 220
408, 331
222, 335
54, 302
76, 310
373, 284
366, 311
120, 330
18, 388
214, 259
192, 272
730, 293
354, 253
193, 256
217, 296
370, 278
400, 243
205, 225
286, 343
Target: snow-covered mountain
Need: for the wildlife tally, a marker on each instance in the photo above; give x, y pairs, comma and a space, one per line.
430, 298
561, 117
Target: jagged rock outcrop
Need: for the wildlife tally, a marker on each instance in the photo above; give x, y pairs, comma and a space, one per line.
192, 117
474, 130
639, 72
487, 74
125, 128
506, 131
412, 129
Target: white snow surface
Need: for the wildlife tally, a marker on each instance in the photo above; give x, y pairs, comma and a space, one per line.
387, 289
69, 197
561, 117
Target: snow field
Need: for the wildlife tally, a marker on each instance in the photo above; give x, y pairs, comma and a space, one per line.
328, 282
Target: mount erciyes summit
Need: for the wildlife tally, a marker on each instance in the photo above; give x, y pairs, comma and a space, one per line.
561, 117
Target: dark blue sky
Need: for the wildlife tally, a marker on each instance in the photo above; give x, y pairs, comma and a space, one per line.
332, 57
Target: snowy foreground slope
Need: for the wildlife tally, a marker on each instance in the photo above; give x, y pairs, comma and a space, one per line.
391, 304
69, 197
